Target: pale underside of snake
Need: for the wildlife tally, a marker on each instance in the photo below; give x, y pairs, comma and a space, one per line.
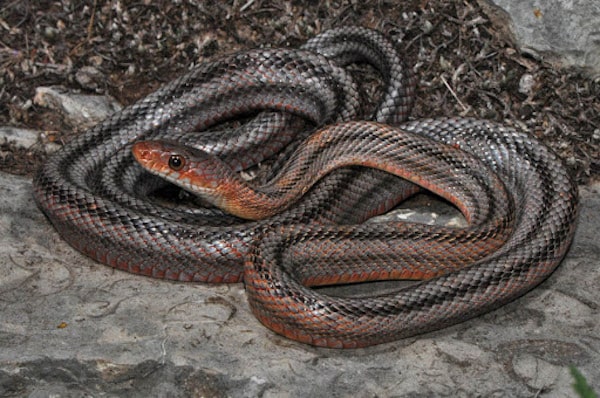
518, 198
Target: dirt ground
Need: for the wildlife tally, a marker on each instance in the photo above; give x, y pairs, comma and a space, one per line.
466, 65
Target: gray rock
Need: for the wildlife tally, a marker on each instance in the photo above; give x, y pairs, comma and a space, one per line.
78, 110
566, 32
90, 77
72, 327
26, 138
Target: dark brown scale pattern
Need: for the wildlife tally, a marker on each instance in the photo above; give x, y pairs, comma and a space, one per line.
95, 195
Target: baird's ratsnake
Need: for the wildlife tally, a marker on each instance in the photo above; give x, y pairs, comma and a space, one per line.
515, 193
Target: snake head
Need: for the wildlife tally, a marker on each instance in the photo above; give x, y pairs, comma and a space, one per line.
194, 170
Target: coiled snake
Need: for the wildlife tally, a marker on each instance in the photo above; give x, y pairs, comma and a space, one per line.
518, 198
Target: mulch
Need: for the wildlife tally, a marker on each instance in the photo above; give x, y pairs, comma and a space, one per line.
466, 63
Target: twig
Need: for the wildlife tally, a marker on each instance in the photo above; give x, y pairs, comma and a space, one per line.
91, 23
246, 6
454, 94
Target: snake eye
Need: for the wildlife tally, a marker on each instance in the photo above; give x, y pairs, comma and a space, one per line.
176, 162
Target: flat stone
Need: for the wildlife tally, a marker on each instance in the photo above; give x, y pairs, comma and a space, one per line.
73, 327
78, 110
563, 32
25, 138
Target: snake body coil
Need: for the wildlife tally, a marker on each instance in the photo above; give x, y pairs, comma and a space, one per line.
522, 205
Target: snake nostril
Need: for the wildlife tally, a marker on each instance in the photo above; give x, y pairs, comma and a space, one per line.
140, 152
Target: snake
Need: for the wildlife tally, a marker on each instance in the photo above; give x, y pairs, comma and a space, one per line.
341, 168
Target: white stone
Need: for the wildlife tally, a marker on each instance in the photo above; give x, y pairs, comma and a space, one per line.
79, 111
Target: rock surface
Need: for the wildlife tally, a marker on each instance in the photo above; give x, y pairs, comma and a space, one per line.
566, 32
25, 138
77, 110
72, 327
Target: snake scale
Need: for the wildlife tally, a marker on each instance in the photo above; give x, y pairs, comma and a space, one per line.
336, 172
